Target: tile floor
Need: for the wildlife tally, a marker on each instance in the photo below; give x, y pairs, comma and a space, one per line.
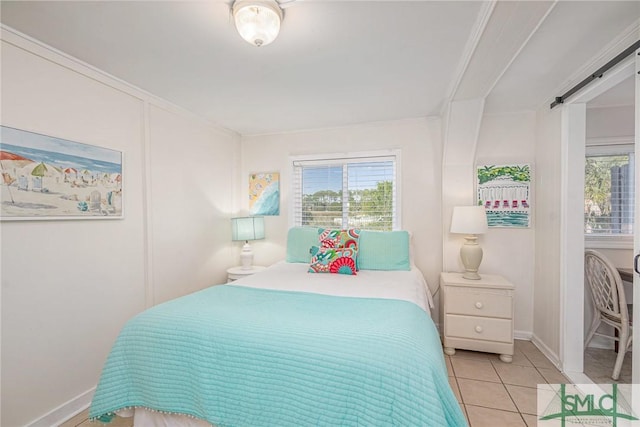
491, 393
598, 365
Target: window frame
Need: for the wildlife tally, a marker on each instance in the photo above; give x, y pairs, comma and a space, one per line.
610, 147
341, 158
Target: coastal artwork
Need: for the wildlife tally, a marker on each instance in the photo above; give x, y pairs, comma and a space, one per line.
44, 177
264, 193
504, 191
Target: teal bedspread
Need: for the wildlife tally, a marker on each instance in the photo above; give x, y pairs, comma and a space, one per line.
238, 356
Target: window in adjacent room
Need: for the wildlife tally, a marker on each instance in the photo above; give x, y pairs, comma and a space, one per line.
347, 191
609, 193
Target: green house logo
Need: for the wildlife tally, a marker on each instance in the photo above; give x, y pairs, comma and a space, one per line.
597, 409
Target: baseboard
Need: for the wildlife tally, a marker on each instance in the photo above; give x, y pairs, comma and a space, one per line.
522, 335
552, 356
578, 377
65, 411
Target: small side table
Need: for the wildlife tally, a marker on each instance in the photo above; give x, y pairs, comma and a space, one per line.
235, 273
477, 314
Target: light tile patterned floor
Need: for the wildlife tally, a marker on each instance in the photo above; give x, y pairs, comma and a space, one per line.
598, 365
491, 393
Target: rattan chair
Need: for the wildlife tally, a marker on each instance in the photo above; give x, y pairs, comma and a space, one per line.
610, 303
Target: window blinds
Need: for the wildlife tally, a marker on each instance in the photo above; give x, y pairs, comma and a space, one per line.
347, 192
609, 194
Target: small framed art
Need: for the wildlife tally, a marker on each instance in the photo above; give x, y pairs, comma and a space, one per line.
504, 191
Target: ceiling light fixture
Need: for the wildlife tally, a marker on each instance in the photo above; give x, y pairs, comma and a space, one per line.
257, 21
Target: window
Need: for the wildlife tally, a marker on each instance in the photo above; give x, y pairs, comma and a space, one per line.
356, 191
609, 191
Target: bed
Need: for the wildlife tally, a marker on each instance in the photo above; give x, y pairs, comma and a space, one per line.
287, 347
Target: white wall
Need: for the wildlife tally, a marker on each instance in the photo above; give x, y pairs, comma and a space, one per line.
421, 157
610, 122
69, 286
461, 129
546, 300
510, 252
193, 175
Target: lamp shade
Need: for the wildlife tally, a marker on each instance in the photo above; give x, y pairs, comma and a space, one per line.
469, 220
257, 21
247, 228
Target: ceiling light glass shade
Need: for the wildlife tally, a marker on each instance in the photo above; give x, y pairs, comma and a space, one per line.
257, 21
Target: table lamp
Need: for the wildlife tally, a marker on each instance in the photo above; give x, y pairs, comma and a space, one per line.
247, 228
470, 221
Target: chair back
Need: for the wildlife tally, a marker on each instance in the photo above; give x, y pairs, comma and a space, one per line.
606, 287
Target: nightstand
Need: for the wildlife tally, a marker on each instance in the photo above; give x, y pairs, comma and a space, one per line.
235, 273
477, 314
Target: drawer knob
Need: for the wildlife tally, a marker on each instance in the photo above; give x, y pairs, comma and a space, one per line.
479, 305
479, 329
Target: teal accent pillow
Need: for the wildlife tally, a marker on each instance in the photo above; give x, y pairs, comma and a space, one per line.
384, 250
333, 260
299, 240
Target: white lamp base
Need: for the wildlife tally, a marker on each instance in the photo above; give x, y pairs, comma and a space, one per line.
246, 256
471, 255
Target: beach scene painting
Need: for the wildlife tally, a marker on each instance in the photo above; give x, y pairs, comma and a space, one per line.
504, 191
44, 178
264, 193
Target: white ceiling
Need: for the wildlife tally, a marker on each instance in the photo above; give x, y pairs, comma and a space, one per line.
335, 63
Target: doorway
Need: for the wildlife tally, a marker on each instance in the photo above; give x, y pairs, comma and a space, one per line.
572, 212
609, 200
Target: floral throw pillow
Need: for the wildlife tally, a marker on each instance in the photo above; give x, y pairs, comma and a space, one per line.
329, 238
333, 260
336, 238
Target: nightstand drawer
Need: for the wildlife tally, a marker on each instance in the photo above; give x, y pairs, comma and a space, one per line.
478, 328
478, 303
